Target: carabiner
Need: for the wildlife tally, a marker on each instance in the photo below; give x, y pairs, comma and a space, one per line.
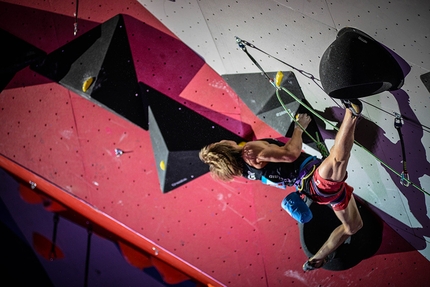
398, 121
404, 178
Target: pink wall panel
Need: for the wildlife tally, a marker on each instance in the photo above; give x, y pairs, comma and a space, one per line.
209, 95
42, 135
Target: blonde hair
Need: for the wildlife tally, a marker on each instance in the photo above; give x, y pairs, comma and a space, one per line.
225, 161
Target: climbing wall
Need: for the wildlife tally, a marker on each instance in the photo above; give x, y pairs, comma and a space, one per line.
236, 234
298, 33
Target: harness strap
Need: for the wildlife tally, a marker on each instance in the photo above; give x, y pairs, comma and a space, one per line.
307, 168
304, 178
306, 161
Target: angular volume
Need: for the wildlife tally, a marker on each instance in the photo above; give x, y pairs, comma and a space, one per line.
177, 135
98, 65
260, 96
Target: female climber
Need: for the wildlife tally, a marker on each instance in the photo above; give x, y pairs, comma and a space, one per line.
285, 164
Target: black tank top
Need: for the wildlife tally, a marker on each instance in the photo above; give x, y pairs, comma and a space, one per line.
278, 174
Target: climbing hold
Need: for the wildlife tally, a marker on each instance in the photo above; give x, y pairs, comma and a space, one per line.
87, 83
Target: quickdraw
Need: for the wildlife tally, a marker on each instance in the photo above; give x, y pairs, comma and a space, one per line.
308, 75
404, 177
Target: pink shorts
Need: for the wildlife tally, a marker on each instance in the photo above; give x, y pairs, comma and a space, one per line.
335, 193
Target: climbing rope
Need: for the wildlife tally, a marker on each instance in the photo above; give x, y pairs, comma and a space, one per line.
308, 75
276, 84
404, 179
320, 145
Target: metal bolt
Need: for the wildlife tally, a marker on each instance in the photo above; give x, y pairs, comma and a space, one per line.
118, 152
32, 184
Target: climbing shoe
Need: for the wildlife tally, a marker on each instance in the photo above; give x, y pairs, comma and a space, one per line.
316, 264
354, 105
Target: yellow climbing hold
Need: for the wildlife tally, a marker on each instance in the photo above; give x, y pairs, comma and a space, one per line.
87, 84
162, 165
278, 79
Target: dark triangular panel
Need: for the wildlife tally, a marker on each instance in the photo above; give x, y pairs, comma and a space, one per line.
104, 54
159, 148
5, 79
260, 96
177, 135
81, 57
426, 80
116, 85
290, 83
16, 54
